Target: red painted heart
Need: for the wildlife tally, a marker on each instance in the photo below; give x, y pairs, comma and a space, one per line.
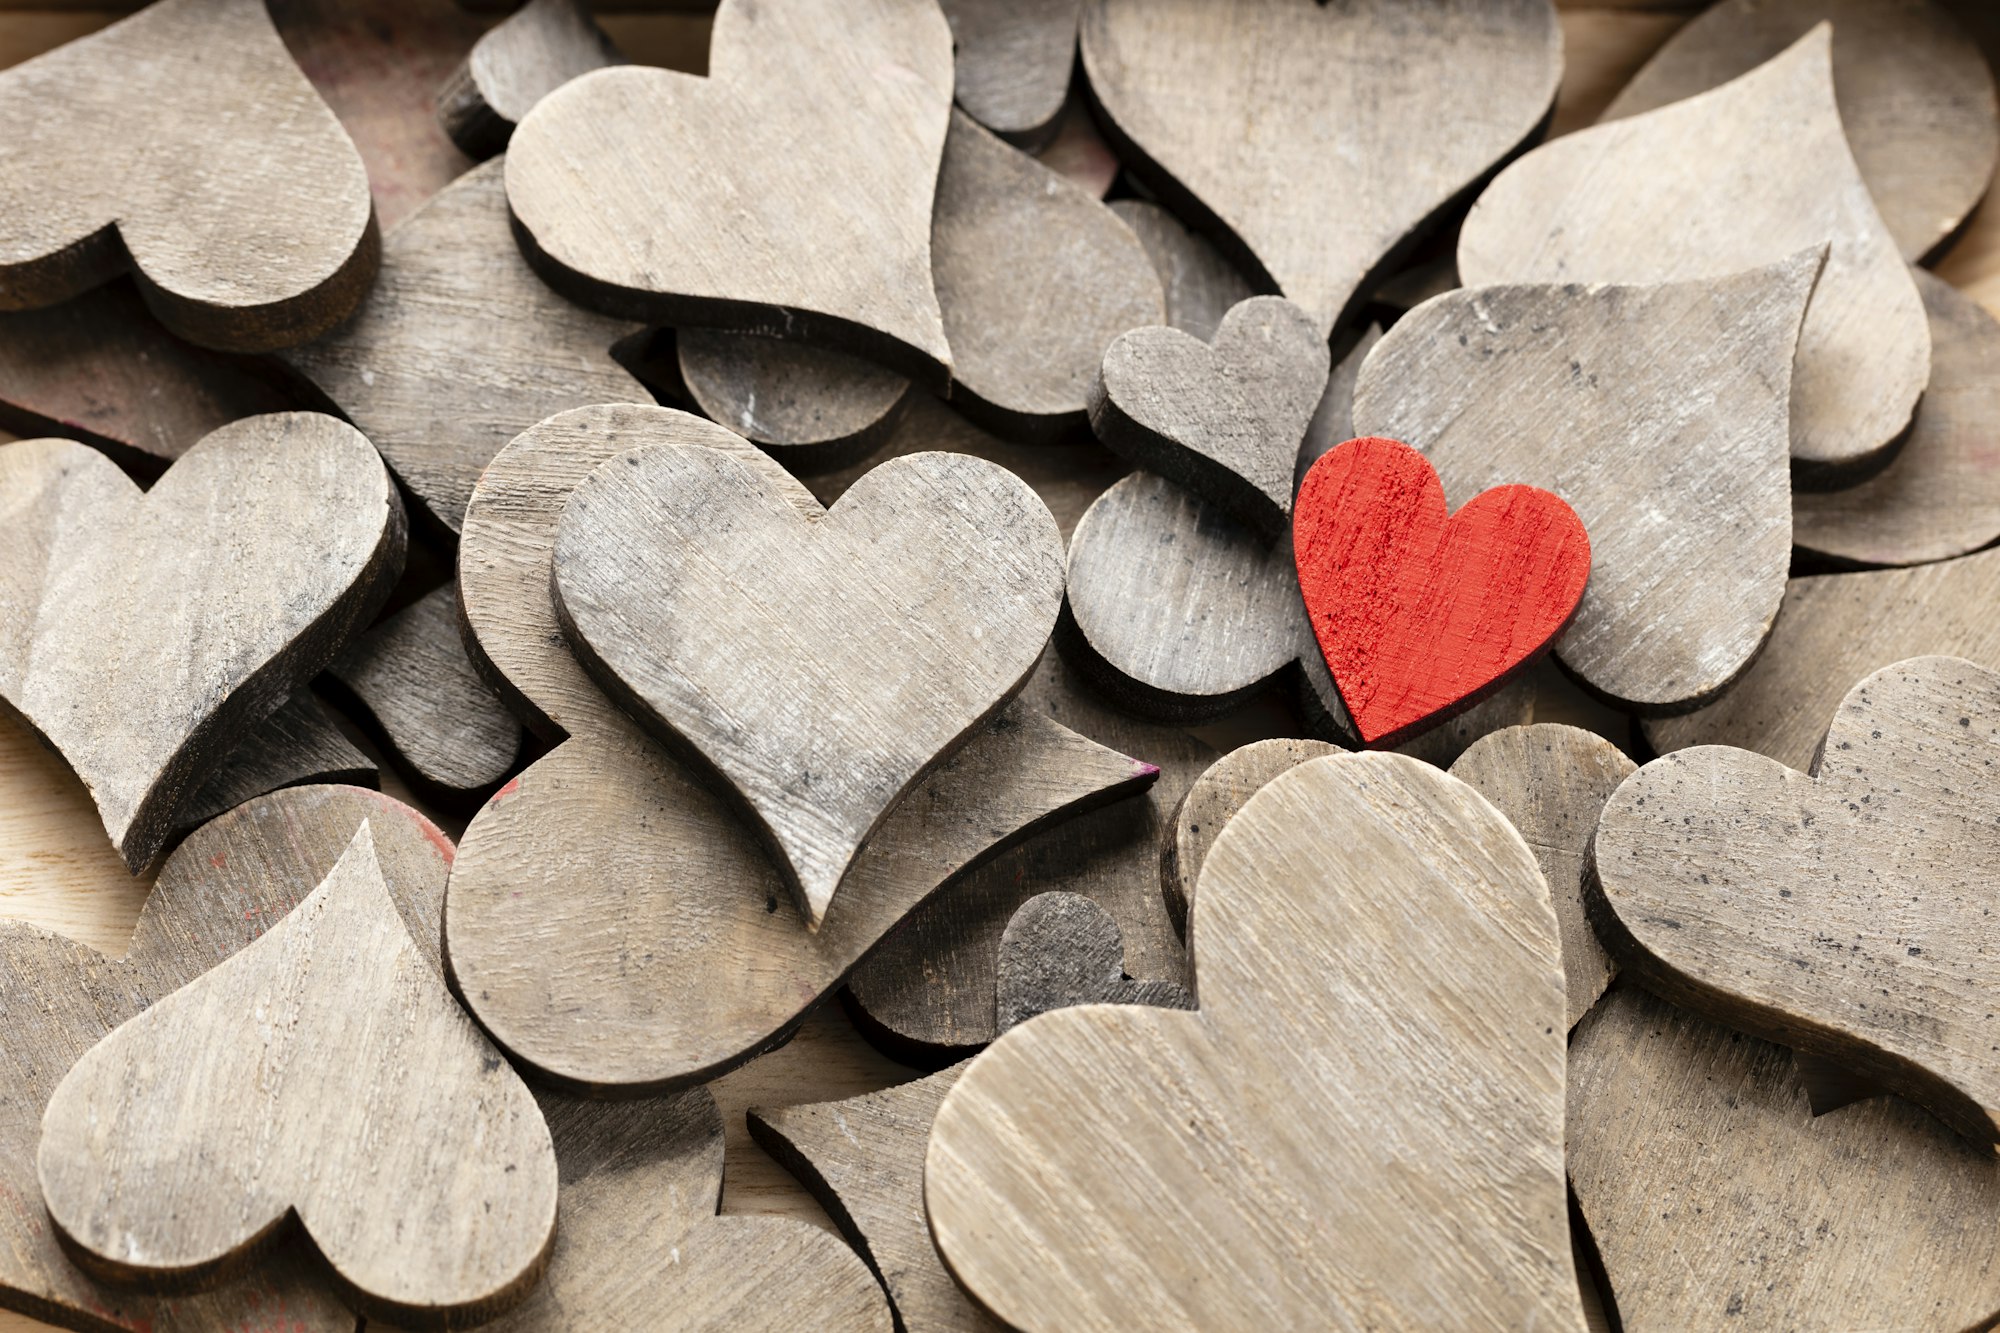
1420, 613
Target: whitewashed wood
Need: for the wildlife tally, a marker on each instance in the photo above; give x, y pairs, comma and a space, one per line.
1660, 414
1728, 180
1847, 912
184, 145
297, 744
821, 665
612, 174
812, 407
1200, 285
1835, 629
1014, 61
143, 634
1915, 95
1225, 418
1062, 949
1718, 1200
412, 675
1361, 1126
1940, 495
1035, 278
1551, 781
534, 51
1213, 801
1318, 180
461, 347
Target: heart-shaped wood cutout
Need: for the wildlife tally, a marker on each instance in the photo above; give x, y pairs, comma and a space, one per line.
1717, 1199
1014, 62
821, 666
144, 633
1317, 180
1374, 947
611, 175
300, 743
523, 59
1222, 419
1846, 912
183, 143
1420, 612
1062, 949
299, 1054
1659, 414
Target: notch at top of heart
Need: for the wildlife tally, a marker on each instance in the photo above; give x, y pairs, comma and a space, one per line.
789, 192
821, 664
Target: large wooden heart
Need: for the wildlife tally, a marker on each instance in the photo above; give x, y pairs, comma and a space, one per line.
1847, 912
822, 666
1361, 1126
789, 191
144, 633
184, 144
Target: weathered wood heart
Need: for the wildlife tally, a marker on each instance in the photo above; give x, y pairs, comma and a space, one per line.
521, 60
1014, 62
184, 145
1223, 419
1062, 949
1222, 790
831, 245
1315, 181
1420, 611
813, 408
299, 1052
1369, 933
820, 665
1846, 912
143, 633
299, 743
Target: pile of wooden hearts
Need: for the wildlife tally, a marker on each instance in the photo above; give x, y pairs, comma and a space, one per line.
747, 439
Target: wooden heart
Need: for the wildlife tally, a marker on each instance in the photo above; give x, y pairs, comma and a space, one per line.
1014, 61
1915, 95
1659, 414
1717, 1199
1222, 419
1420, 612
461, 347
1694, 190
299, 743
813, 408
1845, 912
825, 664
143, 633
1315, 181
1063, 949
1222, 790
299, 1050
521, 60
183, 144
1360, 910
1200, 285
830, 245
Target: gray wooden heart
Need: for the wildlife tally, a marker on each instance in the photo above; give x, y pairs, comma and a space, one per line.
143, 634
820, 665
1223, 420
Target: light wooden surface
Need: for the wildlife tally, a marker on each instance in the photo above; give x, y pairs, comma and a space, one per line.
1013, 63
1213, 801
523, 59
1659, 414
1847, 912
1063, 949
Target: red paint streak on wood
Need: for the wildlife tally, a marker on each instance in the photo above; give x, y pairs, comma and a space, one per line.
1421, 613
437, 837
218, 861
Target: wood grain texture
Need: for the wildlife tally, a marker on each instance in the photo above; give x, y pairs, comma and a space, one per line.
1035, 278
1696, 190
1844, 912
1660, 415
820, 665
411, 674
1199, 284
1014, 62
1333, 420
521, 60
1419, 612
1223, 419
1222, 790
1915, 95
299, 743
1836, 629
1062, 949
1940, 495
222, 889
1361, 1126
277, 240
461, 347
927, 994
813, 408
138, 653
831, 245
1717, 1199
1551, 781
1312, 183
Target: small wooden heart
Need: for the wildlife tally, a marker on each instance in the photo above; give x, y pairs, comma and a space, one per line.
1374, 947
1062, 949
1224, 419
1847, 912
1420, 612
821, 666
521, 60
